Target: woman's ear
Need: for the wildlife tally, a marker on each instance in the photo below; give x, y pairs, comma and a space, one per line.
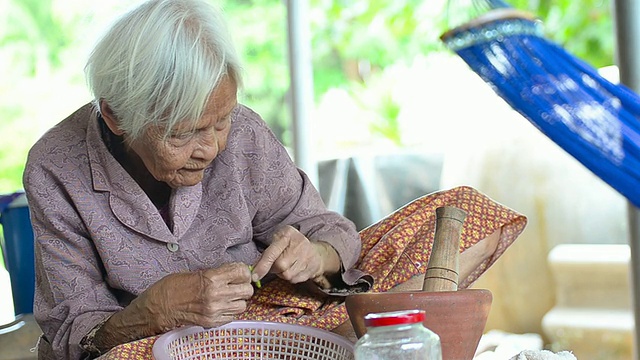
110, 118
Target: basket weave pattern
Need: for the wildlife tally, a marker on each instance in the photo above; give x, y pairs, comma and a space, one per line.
252, 340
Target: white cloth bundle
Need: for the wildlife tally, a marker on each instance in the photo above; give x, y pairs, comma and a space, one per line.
544, 355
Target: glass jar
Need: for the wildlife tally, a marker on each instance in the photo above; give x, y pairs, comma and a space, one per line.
398, 335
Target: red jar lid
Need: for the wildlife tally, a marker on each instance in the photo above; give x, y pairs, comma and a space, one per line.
394, 318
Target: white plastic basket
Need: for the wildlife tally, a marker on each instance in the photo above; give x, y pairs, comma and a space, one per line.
252, 340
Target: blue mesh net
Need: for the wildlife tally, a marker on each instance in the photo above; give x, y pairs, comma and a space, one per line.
593, 119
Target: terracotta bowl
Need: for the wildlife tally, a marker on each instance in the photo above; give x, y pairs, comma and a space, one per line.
458, 317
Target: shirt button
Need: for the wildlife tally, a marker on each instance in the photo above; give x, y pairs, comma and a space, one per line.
173, 247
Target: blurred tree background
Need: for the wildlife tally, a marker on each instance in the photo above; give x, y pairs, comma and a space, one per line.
43, 45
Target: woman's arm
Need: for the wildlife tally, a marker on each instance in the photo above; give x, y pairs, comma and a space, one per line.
281, 194
72, 298
294, 258
73, 295
206, 298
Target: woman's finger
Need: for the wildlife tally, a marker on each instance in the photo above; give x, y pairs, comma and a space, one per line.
269, 257
240, 292
237, 307
231, 273
297, 274
224, 293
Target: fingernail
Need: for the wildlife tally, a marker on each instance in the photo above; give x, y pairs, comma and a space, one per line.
255, 278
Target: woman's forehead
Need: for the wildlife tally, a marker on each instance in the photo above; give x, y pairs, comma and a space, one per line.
221, 102
224, 97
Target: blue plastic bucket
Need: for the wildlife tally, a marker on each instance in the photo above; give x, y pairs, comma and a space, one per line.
18, 250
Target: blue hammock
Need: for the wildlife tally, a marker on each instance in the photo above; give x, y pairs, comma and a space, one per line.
594, 120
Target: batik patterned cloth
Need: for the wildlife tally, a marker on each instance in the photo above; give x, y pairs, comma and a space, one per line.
394, 250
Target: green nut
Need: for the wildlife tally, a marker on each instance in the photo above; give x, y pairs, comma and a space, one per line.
258, 284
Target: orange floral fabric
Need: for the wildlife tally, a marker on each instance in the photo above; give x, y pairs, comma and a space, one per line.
393, 250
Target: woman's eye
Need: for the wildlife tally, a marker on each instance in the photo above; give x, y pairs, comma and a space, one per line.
181, 136
180, 139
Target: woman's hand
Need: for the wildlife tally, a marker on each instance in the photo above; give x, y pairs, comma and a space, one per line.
206, 298
292, 257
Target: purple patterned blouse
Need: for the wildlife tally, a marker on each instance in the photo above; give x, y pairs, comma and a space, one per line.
100, 241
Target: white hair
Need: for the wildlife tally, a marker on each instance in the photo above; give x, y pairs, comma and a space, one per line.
159, 63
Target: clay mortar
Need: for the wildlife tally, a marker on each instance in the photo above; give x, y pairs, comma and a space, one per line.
457, 316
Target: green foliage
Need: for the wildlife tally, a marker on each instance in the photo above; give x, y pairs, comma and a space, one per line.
584, 28
33, 42
351, 40
353, 44
259, 30
38, 36
390, 127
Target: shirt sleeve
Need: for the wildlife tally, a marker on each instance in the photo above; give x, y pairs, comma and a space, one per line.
71, 296
322, 224
284, 195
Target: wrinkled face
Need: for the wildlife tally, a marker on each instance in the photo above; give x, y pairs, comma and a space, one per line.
180, 159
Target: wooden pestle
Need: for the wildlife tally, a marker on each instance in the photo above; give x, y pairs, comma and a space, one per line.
442, 269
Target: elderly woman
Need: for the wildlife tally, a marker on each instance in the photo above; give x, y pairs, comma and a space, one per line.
150, 203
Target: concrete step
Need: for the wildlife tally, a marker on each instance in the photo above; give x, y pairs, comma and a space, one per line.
591, 275
591, 333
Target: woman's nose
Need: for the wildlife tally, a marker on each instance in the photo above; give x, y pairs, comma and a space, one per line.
206, 149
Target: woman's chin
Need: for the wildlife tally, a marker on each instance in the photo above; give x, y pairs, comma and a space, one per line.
186, 178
